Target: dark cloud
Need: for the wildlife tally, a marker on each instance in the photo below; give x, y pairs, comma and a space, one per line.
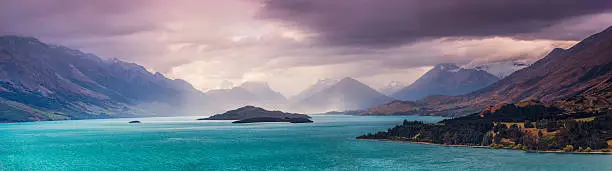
71, 18
208, 41
393, 22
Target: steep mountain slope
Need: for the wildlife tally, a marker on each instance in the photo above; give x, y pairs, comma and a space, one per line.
582, 70
76, 85
347, 94
446, 79
561, 72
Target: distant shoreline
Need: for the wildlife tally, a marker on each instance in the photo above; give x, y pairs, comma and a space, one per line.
475, 146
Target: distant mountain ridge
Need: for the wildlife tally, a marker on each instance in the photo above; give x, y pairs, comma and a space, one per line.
446, 79
248, 93
40, 82
70, 84
48, 82
582, 71
392, 88
263, 91
315, 88
346, 94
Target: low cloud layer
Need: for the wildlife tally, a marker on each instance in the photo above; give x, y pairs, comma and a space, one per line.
293, 43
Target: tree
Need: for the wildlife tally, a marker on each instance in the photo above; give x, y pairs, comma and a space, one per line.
500, 127
517, 147
541, 124
540, 145
528, 124
568, 148
487, 139
497, 145
529, 141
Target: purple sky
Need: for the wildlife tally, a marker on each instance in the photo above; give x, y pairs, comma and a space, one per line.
293, 43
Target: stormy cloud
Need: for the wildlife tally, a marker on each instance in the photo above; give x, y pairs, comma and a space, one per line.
395, 22
72, 18
210, 43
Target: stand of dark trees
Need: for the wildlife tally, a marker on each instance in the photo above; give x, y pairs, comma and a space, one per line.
465, 133
475, 130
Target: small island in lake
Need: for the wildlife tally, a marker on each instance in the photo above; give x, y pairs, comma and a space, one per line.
252, 114
527, 125
269, 119
134, 122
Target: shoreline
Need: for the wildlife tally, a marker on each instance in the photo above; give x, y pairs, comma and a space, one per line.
488, 147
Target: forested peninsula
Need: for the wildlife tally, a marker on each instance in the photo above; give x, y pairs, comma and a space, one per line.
527, 125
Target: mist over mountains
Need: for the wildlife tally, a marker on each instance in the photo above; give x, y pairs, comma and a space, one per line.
502, 69
248, 93
392, 87
346, 94
45, 82
319, 86
50, 82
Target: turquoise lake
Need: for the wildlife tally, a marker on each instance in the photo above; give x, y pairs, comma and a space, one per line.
183, 143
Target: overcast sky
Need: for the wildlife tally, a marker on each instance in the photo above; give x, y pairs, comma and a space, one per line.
292, 43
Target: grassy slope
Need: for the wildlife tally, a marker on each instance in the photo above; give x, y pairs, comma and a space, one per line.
11, 111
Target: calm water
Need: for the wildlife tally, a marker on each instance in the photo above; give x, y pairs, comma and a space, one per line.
182, 143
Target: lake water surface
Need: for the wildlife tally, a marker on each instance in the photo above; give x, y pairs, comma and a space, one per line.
183, 143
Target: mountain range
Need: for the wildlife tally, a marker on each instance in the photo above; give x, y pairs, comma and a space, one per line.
446, 79
41, 82
319, 86
392, 88
344, 95
48, 82
580, 72
248, 93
